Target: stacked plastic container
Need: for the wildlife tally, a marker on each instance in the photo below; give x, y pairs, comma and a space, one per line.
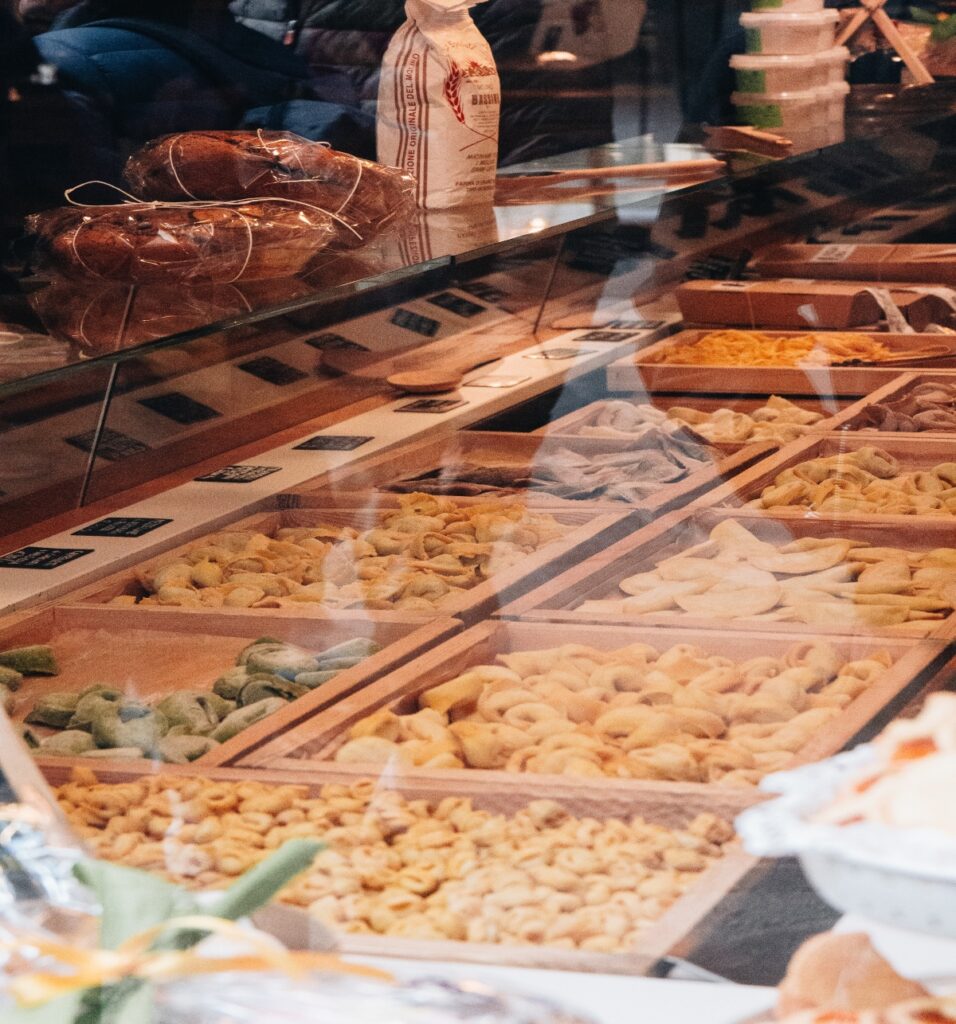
792, 79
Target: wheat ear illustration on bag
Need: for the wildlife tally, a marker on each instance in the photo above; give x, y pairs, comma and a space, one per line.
452, 90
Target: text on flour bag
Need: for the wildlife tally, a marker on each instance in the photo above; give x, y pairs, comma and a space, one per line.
439, 105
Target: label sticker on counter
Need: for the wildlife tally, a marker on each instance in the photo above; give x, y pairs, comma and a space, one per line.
42, 558
179, 408
496, 380
410, 321
560, 353
272, 371
835, 253
334, 341
608, 335
238, 474
433, 405
457, 305
121, 526
334, 443
481, 290
113, 445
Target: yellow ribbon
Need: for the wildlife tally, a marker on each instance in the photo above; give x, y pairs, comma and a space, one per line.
134, 959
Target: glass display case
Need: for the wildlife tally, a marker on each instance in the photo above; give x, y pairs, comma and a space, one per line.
509, 556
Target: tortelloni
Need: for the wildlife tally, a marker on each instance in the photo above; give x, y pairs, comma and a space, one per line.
679, 715
420, 557
868, 481
424, 869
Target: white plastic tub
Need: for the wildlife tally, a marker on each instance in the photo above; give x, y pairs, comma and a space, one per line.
757, 72
787, 6
833, 100
800, 116
832, 65
778, 32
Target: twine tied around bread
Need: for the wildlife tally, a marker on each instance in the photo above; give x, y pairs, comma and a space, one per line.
192, 204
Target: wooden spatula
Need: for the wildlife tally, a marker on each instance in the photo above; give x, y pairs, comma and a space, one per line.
419, 372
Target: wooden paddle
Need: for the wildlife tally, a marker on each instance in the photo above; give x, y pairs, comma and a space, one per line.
421, 372
914, 356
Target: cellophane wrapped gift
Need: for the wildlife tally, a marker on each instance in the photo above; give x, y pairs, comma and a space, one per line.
364, 198
180, 243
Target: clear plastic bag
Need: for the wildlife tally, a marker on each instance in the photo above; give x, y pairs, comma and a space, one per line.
330, 999
194, 243
364, 198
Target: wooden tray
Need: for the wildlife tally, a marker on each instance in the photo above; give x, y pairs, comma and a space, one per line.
571, 424
430, 455
914, 452
598, 578
852, 418
672, 806
638, 372
587, 530
322, 735
151, 656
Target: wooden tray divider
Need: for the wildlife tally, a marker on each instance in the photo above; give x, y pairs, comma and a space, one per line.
322, 735
559, 599
914, 451
429, 455
638, 372
671, 805
587, 529
150, 657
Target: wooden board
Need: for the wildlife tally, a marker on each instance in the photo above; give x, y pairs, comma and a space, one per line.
150, 657
586, 530
571, 424
430, 455
672, 806
854, 417
914, 452
640, 372
312, 745
598, 578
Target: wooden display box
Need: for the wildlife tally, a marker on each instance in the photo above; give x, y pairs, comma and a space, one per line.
571, 424
431, 455
854, 417
672, 806
598, 578
914, 452
152, 656
311, 746
586, 530
639, 372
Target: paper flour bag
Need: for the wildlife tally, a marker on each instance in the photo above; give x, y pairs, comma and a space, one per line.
439, 104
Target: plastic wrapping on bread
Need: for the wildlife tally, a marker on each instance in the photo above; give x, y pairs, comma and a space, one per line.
364, 197
188, 243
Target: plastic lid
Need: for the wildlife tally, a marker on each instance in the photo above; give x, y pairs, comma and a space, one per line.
832, 89
754, 19
759, 61
838, 53
752, 99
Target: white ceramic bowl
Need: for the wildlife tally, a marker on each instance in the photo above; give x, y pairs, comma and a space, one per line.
901, 877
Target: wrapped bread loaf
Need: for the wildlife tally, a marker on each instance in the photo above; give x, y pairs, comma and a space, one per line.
365, 196
156, 243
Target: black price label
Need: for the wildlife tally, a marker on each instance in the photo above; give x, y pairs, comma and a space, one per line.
180, 408
432, 405
559, 353
333, 443
272, 371
410, 321
113, 445
481, 290
121, 526
331, 340
457, 305
238, 474
606, 336
41, 558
